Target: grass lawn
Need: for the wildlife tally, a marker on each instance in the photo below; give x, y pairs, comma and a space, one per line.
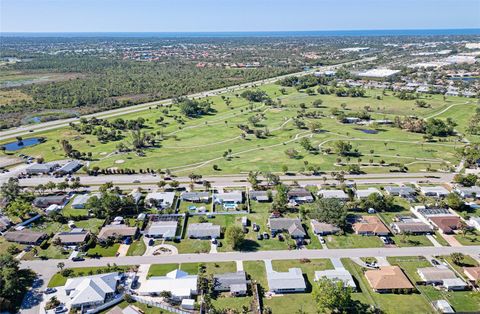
192, 246
51, 252
68, 211
192, 268
237, 303
93, 224
256, 271
469, 239
4, 245
198, 141
389, 303
137, 248
467, 262
59, 280
351, 240
104, 251
411, 240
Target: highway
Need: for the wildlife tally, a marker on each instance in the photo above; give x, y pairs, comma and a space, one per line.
45, 126
150, 181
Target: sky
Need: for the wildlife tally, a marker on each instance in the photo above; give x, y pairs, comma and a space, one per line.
234, 15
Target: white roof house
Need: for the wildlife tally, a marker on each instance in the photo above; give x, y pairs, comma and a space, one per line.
179, 283
468, 192
163, 229
284, 282
367, 192
434, 191
203, 230
160, 200
340, 194
454, 284
474, 222
136, 195
81, 200
443, 306
340, 274
234, 197
91, 290
378, 73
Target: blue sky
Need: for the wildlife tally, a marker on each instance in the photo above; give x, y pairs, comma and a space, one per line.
233, 15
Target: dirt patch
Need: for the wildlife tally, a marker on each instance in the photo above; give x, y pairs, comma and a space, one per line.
119, 161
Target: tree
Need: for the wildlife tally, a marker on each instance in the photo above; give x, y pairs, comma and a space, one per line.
18, 208
61, 265
314, 126
455, 202
329, 210
331, 296
234, 236
342, 148
457, 258
281, 198
10, 190
253, 179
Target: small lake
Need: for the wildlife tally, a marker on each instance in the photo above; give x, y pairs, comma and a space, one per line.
367, 131
13, 146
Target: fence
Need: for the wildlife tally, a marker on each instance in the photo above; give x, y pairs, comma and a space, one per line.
160, 305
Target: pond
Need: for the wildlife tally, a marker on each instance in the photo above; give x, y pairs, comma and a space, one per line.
368, 131
13, 146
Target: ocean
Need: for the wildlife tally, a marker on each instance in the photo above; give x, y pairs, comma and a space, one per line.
332, 33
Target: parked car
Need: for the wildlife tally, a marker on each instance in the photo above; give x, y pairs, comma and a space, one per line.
266, 236
322, 240
77, 259
60, 309
151, 242
50, 290
259, 237
214, 241
384, 240
435, 262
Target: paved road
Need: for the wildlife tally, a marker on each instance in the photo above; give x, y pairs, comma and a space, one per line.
45, 126
240, 180
50, 266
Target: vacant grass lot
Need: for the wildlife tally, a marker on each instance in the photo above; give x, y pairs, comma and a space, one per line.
137, 248
192, 268
201, 142
351, 240
103, 251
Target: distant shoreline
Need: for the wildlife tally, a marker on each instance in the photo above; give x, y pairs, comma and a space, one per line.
329, 33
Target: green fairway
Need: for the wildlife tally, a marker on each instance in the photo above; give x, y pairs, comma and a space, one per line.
198, 144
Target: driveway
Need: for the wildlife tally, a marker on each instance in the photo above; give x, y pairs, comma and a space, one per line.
450, 238
123, 249
433, 240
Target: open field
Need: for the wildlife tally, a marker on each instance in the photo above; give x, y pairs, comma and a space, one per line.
198, 144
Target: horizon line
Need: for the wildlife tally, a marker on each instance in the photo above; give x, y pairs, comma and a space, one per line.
248, 31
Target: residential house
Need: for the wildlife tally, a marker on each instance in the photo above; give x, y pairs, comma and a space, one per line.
162, 229
235, 283
136, 196
25, 236
5, 223
205, 230
45, 201
446, 224
388, 279
469, 192
160, 200
402, 191
195, 197
91, 291
338, 194
410, 225
261, 196
41, 168
70, 167
338, 274
81, 200
434, 191
435, 275
370, 225
474, 222
229, 200
117, 231
472, 273
361, 194
291, 225
454, 284
323, 228
74, 237
179, 283
442, 306
299, 196
286, 282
